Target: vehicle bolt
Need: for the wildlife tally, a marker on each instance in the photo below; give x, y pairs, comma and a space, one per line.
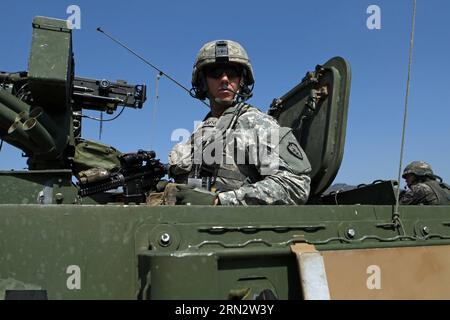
165, 239
351, 233
425, 230
59, 197
104, 84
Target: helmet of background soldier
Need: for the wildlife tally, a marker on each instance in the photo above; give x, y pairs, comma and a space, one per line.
220, 51
418, 168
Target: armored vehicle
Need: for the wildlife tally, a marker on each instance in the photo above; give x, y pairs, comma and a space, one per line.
96, 238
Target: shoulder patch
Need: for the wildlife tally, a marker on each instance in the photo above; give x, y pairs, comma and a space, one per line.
295, 150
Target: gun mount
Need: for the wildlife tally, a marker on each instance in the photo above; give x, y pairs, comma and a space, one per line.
41, 109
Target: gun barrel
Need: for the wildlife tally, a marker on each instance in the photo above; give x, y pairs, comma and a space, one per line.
12, 102
41, 117
19, 138
7, 117
34, 132
22, 117
40, 136
11, 129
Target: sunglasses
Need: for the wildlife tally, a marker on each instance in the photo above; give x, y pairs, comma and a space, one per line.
218, 70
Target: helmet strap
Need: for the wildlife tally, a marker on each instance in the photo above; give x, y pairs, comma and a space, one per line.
200, 92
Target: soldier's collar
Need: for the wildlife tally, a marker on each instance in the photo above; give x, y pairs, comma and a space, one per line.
228, 110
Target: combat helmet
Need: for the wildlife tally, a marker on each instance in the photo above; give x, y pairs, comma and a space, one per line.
418, 168
220, 51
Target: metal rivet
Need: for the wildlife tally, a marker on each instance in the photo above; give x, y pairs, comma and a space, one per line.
351, 233
425, 230
59, 197
165, 239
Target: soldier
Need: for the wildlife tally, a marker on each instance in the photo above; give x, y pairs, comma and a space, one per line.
220, 154
424, 187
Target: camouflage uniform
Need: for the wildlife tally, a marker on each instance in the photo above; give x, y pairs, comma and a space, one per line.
280, 178
425, 189
419, 193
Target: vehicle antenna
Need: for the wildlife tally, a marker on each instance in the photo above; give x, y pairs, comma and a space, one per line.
396, 214
162, 73
100, 129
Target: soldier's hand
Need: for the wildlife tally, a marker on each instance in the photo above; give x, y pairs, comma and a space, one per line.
187, 195
161, 185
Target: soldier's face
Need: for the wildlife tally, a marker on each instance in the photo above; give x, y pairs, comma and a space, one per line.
223, 81
410, 178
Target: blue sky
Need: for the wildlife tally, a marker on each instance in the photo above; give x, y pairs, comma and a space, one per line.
284, 39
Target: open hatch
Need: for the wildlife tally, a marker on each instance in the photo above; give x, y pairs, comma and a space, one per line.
316, 110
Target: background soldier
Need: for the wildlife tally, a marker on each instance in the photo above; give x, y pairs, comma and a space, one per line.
424, 187
223, 74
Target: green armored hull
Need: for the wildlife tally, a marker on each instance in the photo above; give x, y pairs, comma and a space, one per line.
129, 252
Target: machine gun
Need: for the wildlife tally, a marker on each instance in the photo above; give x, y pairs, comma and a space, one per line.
92, 94
41, 109
138, 174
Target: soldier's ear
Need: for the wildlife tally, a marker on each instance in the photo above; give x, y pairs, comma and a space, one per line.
201, 91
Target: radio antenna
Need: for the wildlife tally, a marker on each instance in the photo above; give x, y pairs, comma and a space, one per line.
396, 214
162, 73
